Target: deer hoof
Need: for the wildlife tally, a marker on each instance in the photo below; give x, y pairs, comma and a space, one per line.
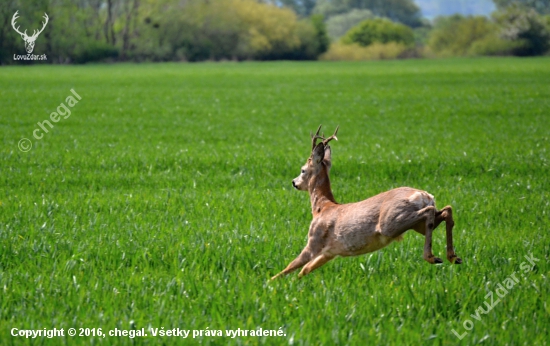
433, 260
454, 259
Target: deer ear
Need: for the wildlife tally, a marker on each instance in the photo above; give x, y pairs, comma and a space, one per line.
318, 153
328, 157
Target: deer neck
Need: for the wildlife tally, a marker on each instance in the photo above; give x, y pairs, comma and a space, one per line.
320, 193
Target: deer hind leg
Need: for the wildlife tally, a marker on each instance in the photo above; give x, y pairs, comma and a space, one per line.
426, 225
446, 214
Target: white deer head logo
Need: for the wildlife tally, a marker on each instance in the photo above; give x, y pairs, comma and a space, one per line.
29, 40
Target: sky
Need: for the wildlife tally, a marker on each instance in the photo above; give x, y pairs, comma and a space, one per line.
433, 8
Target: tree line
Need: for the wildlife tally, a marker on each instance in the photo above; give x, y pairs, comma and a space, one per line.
80, 31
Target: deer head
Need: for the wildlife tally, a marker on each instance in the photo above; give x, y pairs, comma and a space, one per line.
29, 40
318, 162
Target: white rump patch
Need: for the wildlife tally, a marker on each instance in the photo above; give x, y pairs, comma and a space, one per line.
422, 199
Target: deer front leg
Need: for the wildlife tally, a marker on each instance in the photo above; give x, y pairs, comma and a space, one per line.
316, 263
299, 262
446, 214
315, 244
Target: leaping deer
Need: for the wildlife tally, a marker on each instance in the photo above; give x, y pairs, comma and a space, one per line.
362, 227
29, 40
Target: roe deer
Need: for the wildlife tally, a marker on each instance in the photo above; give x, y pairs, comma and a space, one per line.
357, 228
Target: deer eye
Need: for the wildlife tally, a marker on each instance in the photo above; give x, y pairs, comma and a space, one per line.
303, 171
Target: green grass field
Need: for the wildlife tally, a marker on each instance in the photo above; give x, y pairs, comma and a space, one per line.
165, 200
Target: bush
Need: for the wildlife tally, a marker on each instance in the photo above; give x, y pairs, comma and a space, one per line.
493, 45
379, 30
94, 51
355, 52
455, 35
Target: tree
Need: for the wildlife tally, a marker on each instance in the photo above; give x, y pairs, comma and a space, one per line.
228, 29
313, 39
338, 25
526, 26
321, 35
455, 35
403, 11
301, 7
541, 6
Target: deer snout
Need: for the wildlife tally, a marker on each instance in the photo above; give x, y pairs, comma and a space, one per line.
294, 184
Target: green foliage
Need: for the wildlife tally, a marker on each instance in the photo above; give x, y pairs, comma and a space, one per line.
379, 30
234, 30
403, 11
422, 34
94, 51
313, 38
374, 51
541, 6
165, 30
513, 31
301, 7
198, 30
338, 25
71, 26
165, 200
455, 35
321, 34
329, 8
494, 45
525, 26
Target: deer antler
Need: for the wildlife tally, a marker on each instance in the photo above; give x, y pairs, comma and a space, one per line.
314, 138
325, 141
34, 35
13, 23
